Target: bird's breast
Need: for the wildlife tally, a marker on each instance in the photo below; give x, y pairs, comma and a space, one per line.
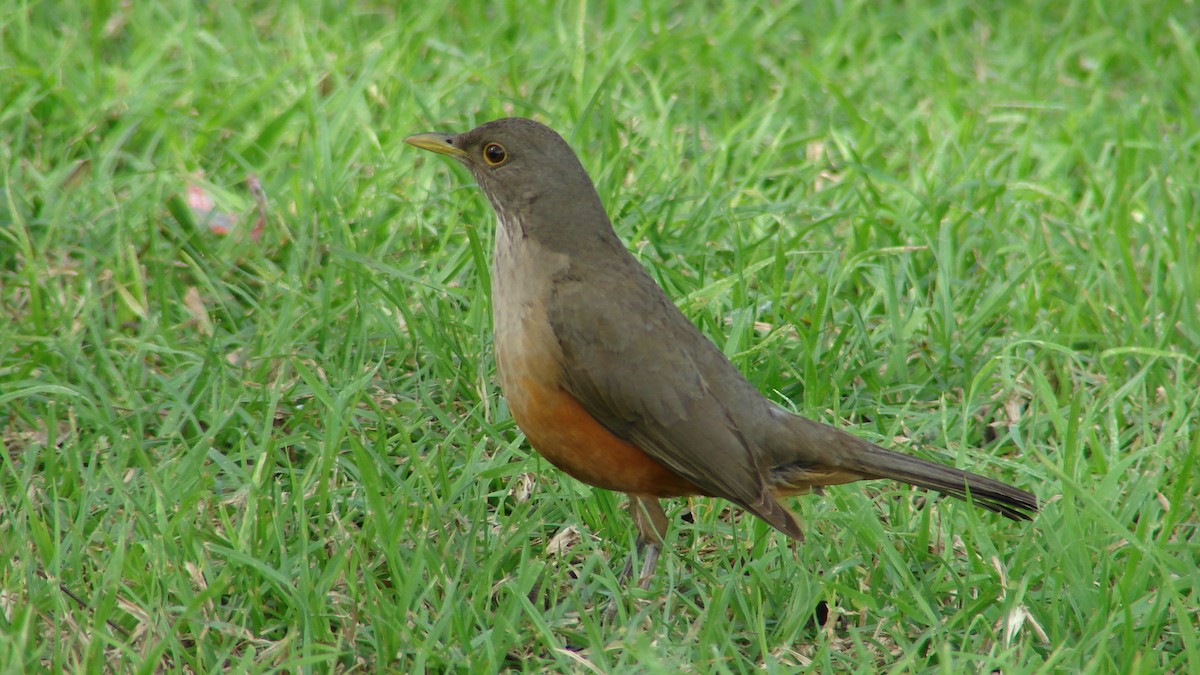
530, 363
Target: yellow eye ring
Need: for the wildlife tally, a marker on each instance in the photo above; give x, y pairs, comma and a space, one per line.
494, 154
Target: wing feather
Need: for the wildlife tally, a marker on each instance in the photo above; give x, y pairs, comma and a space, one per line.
656, 398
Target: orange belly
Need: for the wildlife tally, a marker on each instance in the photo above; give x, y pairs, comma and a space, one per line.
564, 433
529, 362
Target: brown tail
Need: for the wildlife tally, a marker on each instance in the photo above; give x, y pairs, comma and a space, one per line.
991, 494
845, 458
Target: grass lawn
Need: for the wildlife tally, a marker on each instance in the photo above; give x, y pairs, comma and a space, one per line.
970, 231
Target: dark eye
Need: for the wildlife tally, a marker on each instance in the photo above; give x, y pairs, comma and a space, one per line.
494, 153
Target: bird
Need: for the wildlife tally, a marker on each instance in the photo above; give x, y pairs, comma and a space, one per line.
611, 383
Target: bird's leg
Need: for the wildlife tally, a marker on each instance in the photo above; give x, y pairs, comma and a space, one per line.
651, 523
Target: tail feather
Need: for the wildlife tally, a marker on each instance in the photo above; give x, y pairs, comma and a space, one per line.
813, 454
990, 494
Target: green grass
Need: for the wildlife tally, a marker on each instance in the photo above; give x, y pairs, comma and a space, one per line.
967, 230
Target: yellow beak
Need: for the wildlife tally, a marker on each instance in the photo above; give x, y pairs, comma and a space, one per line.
436, 142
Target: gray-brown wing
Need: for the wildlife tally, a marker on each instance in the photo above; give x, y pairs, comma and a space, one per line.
637, 365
